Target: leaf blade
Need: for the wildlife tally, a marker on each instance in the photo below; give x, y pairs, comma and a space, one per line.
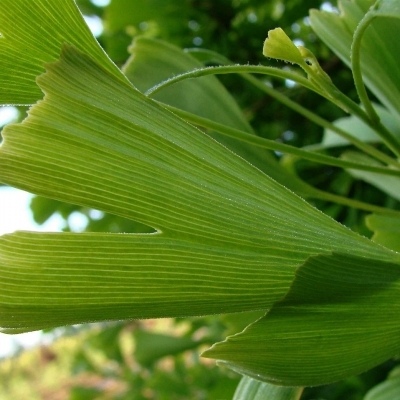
386, 230
380, 43
67, 278
251, 389
337, 320
25, 48
97, 142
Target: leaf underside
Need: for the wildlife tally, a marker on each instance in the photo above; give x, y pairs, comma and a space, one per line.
337, 320
251, 389
26, 47
222, 225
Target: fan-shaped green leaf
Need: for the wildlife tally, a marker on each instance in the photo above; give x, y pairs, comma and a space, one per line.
153, 61
338, 319
223, 227
31, 34
360, 130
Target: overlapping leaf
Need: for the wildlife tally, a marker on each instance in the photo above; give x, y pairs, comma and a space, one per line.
388, 389
388, 184
338, 319
360, 130
227, 237
251, 389
31, 34
153, 61
386, 230
222, 225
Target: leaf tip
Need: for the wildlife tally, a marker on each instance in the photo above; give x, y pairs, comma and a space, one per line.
279, 46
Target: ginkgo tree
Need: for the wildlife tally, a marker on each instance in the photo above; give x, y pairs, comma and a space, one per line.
222, 226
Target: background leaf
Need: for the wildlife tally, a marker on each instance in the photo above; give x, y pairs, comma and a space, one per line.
386, 230
388, 184
153, 61
360, 130
387, 390
379, 62
250, 389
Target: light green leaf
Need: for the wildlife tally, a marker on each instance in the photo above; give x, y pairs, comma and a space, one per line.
26, 47
222, 225
387, 390
387, 9
386, 230
360, 130
338, 319
250, 389
278, 45
153, 61
386, 183
379, 61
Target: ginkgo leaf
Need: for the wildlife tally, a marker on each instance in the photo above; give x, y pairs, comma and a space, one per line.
251, 389
222, 226
388, 184
151, 346
31, 34
153, 61
386, 390
337, 320
360, 130
386, 230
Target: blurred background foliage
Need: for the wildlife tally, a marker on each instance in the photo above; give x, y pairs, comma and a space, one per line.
160, 359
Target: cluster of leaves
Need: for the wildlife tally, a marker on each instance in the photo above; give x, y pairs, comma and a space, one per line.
208, 232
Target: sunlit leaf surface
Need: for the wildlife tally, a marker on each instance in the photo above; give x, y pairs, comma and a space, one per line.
153, 61
31, 34
222, 226
337, 320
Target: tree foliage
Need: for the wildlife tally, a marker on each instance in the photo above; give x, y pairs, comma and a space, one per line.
268, 197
